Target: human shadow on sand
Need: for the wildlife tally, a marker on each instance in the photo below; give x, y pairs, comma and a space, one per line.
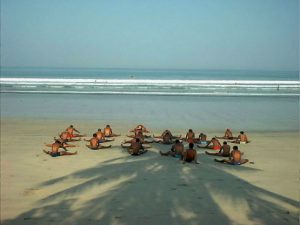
151, 189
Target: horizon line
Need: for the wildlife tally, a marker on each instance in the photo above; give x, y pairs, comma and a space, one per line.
147, 69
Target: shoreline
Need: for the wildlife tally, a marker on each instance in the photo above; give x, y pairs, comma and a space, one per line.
103, 186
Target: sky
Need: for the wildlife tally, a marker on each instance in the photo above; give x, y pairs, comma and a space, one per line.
195, 34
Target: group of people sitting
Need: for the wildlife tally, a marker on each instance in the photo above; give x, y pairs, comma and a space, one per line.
71, 134
138, 144
190, 154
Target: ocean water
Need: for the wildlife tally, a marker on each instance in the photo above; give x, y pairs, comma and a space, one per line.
160, 99
150, 82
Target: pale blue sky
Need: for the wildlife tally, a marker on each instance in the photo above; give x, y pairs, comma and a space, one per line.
203, 34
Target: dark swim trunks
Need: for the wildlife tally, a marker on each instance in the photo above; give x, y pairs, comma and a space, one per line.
189, 160
55, 154
234, 163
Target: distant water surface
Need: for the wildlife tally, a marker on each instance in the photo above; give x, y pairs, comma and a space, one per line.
150, 82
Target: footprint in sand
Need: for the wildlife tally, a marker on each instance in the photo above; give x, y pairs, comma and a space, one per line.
31, 191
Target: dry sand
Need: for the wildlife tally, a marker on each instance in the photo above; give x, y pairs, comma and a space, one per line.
111, 187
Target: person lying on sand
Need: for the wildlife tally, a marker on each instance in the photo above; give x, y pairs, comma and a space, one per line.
190, 154
241, 139
228, 135
55, 150
140, 136
216, 145
136, 147
94, 143
109, 133
101, 137
176, 150
71, 129
190, 137
65, 137
224, 151
235, 159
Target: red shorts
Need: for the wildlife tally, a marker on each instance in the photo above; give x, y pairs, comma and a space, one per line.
69, 136
216, 148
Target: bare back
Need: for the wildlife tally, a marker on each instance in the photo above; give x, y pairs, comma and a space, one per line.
107, 131
64, 135
215, 142
100, 135
94, 143
190, 154
228, 134
178, 148
236, 156
243, 138
55, 147
136, 146
226, 150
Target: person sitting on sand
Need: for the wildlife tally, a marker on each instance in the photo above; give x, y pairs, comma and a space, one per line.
65, 137
94, 143
202, 139
224, 151
55, 150
228, 135
190, 137
101, 137
190, 154
70, 130
241, 139
216, 145
140, 128
166, 137
136, 147
109, 133
63, 144
235, 159
176, 150
140, 136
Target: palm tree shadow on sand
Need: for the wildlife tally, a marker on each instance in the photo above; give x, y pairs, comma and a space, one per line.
157, 190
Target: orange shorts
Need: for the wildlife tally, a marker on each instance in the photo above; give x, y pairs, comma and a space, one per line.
69, 136
216, 147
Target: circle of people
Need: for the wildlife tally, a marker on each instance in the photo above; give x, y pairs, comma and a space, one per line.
139, 143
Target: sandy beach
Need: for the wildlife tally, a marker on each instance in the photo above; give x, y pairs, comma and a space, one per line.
111, 187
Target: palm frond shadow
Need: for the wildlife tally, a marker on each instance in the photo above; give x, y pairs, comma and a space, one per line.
139, 189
